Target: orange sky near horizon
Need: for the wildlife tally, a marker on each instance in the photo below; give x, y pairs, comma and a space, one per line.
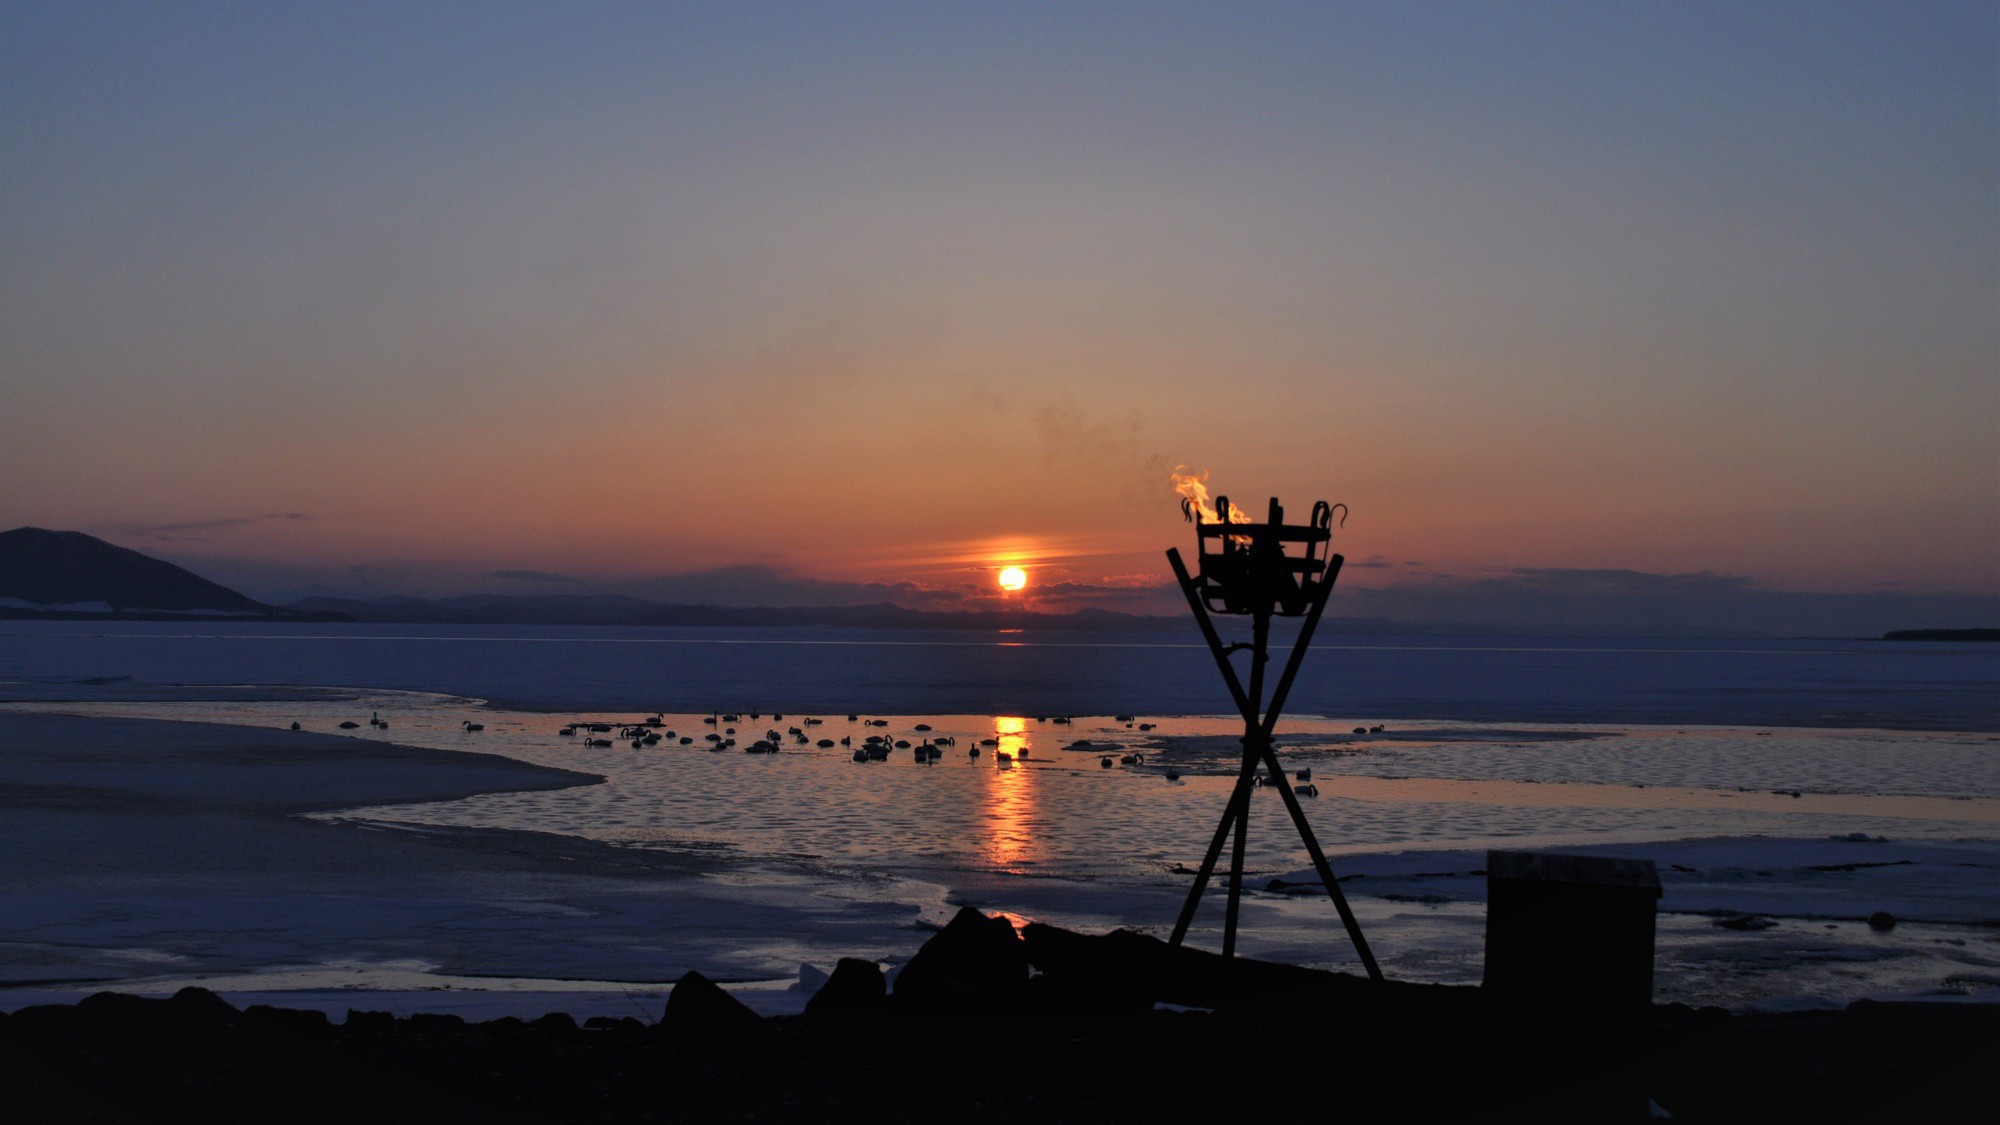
903, 298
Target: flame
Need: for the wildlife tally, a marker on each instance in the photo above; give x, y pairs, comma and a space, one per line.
1192, 485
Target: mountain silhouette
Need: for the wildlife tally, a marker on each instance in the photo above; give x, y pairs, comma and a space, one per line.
68, 571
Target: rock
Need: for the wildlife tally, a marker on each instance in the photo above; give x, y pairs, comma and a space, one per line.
1882, 921
1746, 922
811, 979
975, 963
556, 1023
122, 1009
265, 1019
1109, 974
699, 1004
369, 1021
1127, 973
200, 1007
856, 988
44, 1020
436, 1021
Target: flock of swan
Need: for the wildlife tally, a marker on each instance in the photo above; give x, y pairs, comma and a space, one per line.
928, 747
652, 731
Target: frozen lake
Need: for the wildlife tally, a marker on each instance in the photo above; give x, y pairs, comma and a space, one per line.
1775, 779
1822, 683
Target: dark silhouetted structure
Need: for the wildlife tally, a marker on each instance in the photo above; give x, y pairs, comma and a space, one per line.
1575, 929
1260, 571
1569, 964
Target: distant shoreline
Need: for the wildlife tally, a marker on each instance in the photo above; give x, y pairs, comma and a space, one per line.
1942, 635
280, 617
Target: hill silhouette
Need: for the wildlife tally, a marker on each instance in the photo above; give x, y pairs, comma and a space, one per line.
47, 573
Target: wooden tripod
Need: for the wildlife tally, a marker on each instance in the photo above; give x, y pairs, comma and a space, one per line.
1258, 723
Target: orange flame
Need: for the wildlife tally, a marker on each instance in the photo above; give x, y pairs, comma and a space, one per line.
1192, 484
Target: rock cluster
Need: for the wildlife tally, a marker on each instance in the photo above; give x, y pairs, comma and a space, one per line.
987, 1024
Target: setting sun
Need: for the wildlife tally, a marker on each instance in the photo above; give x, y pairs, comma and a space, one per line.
1013, 578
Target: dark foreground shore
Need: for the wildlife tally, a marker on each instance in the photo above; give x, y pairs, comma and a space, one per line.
970, 1037
117, 1058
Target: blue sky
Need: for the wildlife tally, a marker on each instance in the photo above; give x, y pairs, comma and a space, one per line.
887, 294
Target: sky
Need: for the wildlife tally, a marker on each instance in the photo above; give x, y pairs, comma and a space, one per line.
785, 303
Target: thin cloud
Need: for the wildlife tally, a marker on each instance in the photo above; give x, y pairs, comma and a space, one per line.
190, 531
539, 576
1634, 602
772, 586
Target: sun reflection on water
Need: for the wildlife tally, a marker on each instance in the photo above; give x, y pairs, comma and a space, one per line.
1009, 818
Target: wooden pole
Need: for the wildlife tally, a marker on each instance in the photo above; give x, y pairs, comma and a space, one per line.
1259, 751
1320, 864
